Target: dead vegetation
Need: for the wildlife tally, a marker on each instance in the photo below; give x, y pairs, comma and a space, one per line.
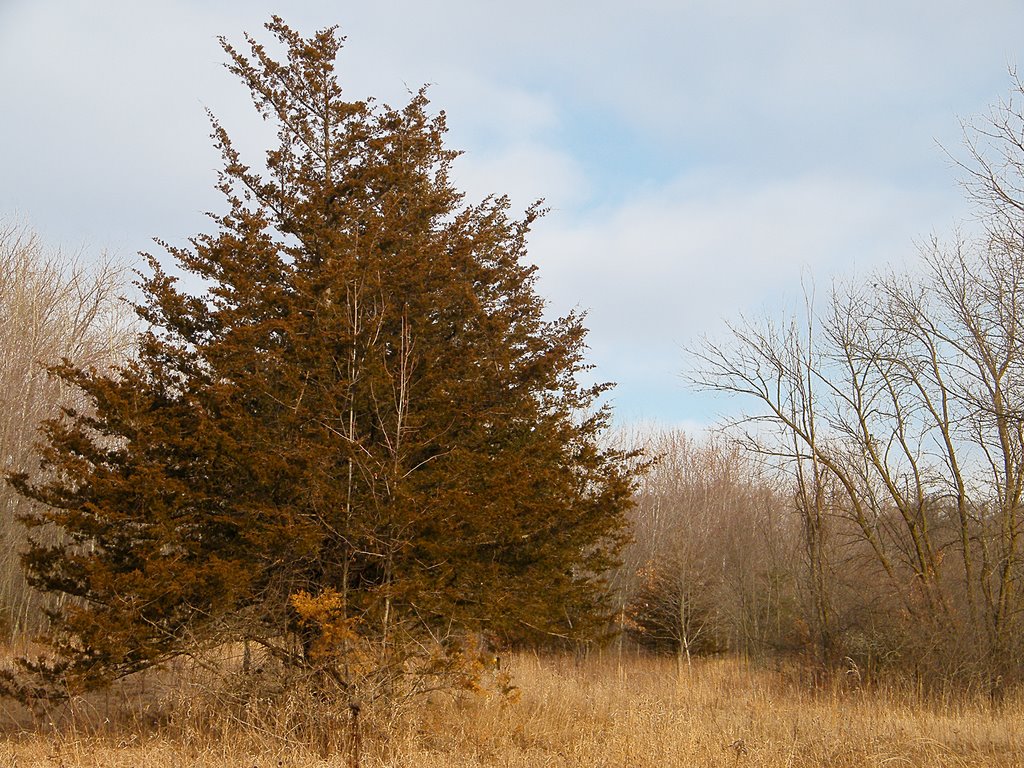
639, 711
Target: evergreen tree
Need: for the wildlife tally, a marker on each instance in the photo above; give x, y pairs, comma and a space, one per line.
365, 407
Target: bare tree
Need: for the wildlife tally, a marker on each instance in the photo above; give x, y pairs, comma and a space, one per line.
900, 409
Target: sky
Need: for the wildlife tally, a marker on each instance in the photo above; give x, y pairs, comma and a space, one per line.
701, 160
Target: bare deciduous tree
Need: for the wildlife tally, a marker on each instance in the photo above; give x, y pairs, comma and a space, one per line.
900, 408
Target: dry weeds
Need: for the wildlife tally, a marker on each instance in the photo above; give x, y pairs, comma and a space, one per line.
640, 713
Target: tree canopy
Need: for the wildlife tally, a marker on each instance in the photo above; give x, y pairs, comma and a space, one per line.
364, 406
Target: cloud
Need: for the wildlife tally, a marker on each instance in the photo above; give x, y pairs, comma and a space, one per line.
524, 172
706, 246
657, 273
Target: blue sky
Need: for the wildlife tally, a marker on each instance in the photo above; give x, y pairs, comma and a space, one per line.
699, 158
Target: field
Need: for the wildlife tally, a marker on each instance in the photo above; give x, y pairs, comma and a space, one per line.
641, 712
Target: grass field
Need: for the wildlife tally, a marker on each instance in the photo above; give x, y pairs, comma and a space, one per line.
642, 712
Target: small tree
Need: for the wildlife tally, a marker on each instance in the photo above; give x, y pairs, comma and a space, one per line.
365, 408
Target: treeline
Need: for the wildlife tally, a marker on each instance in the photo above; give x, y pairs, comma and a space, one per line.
729, 557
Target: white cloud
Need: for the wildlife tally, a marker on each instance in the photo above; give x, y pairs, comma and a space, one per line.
705, 247
659, 272
492, 113
524, 172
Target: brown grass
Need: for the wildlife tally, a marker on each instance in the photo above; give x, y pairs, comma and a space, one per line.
640, 713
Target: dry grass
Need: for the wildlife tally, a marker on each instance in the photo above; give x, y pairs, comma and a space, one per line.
641, 713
